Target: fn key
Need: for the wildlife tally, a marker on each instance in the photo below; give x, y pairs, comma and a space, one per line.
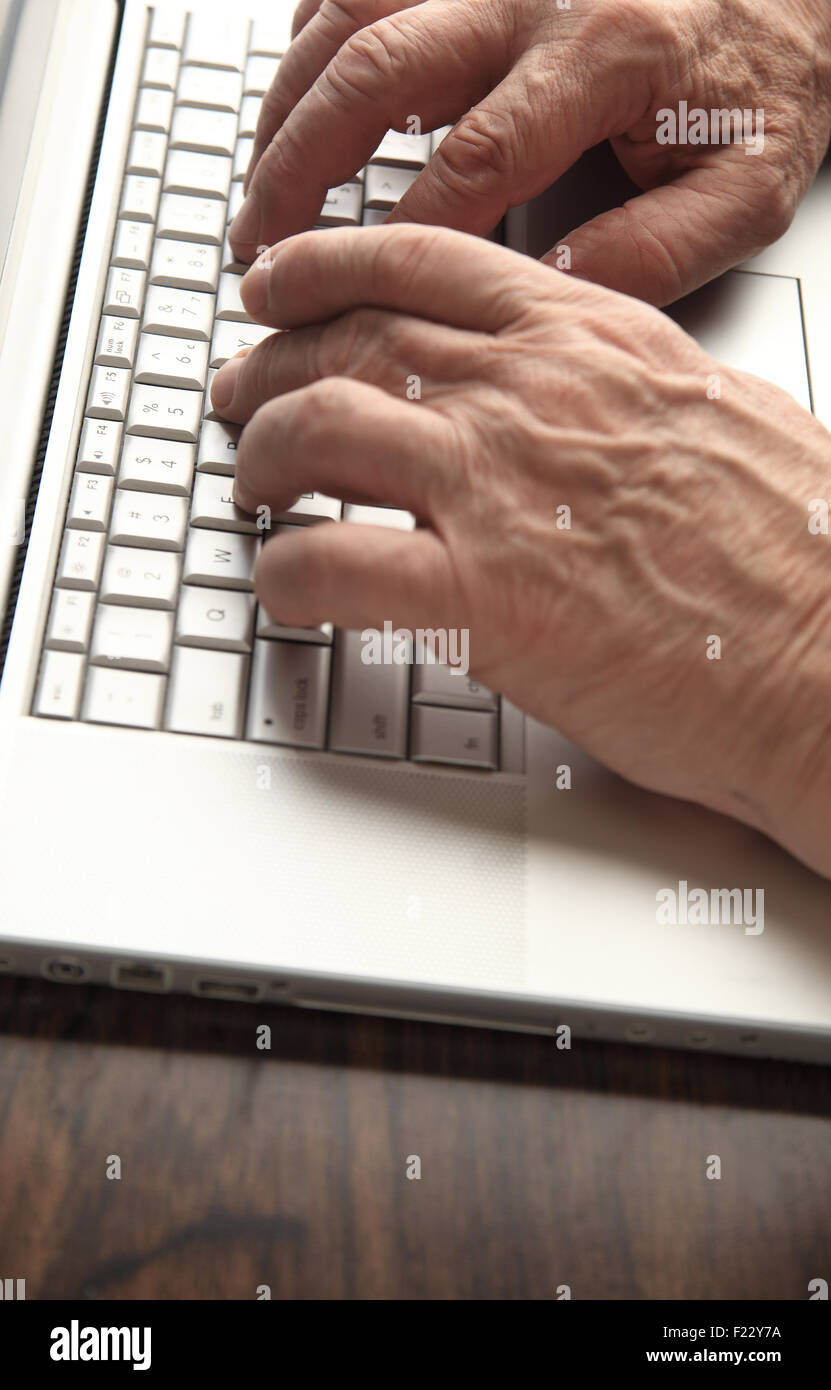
464, 737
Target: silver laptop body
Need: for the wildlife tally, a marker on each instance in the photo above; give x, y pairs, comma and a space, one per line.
238, 867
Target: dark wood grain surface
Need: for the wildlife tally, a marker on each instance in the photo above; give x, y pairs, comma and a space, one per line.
288, 1167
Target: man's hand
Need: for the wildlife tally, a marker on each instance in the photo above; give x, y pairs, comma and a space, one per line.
531, 86
621, 523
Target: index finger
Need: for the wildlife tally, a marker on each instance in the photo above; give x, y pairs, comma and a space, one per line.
430, 272
318, 33
418, 61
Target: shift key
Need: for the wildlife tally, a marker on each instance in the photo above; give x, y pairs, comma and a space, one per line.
369, 702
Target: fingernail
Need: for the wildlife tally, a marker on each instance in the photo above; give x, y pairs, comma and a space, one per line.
246, 224
225, 383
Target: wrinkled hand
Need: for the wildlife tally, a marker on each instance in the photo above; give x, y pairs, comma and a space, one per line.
532, 86
689, 516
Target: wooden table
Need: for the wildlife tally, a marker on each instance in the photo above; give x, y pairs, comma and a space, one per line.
539, 1168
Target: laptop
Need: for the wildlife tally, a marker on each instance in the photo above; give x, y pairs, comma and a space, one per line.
194, 800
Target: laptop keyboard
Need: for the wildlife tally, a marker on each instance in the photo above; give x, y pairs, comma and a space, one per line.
153, 622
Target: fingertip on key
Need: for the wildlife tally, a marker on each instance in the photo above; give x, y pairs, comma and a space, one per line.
225, 382
254, 287
245, 227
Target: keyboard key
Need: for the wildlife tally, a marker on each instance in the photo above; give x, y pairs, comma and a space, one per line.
249, 115
185, 266
197, 175
218, 618
81, 557
310, 509
511, 737
124, 293
437, 684
401, 151
135, 639
146, 578
267, 627
216, 41
133, 244
228, 302
208, 87
289, 694
59, 688
154, 110
98, 450
203, 132
229, 337
235, 201
70, 621
369, 702
89, 505
224, 561
459, 736
146, 153
437, 136
116, 342
272, 36
242, 158
155, 520
378, 516
385, 186
207, 692
208, 411
164, 361
191, 219
163, 413
167, 28
180, 313
229, 262
218, 447
374, 217
140, 198
109, 389
134, 699
161, 67
343, 206
157, 465
213, 506
259, 75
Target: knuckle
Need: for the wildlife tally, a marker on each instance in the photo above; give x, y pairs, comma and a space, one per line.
400, 256
777, 208
344, 343
327, 403
357, 13
482, 145
373, 60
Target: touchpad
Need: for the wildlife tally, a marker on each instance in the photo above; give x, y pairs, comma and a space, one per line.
752, 322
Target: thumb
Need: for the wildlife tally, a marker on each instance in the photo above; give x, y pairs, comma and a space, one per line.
665, 243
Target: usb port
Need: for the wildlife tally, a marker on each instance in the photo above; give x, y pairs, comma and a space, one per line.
137, 976
227, 989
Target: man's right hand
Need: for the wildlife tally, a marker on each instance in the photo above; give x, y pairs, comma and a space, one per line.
531, 86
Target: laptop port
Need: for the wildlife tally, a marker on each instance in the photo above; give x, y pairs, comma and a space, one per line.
227, 989
137, 976
65, 968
